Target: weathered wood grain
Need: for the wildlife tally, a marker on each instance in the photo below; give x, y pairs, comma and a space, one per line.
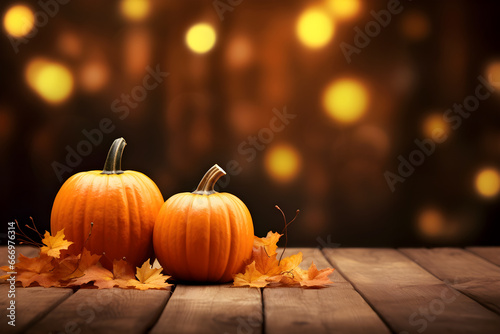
31, 305
338, 308
491, 254
104, 311
211, 309
25, 250
407, 297
464, 271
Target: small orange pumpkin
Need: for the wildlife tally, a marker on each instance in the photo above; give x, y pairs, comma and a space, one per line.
204, 236
122, 205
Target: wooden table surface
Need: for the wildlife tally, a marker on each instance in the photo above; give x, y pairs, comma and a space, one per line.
376, 290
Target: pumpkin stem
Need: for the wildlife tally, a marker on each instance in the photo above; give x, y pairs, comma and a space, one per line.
207, 183
113, 164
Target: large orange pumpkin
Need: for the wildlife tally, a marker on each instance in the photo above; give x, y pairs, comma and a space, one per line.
122, 205
204, 236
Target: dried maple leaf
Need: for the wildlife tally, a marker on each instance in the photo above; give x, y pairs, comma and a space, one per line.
314, 278
123, 272
6, 269
149, 278
252, 277
102, 277
54, 245
266, 270
85, 261
287, 278
266, 265
66, 266
269, 242
36, 269
105, 279
291, 262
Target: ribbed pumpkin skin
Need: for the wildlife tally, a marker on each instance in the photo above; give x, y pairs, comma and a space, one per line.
204, 238
123, 208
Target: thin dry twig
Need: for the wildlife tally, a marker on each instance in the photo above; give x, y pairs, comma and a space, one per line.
285, 229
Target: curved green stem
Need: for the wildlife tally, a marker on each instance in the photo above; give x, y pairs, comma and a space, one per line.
207, 183
113, 164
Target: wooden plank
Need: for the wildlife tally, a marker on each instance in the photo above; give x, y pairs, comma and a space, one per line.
211, 309
464, 271
28, 251
409, 298
491, 254
338, 308
105, 311
31, 305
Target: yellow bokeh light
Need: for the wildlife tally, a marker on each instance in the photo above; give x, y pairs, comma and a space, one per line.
344, 9
18, 20
52, 81
314, 28
135, 10
345, 100
201, 38
283, 162
488, 182
435, 124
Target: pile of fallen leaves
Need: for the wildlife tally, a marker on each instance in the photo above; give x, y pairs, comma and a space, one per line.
266, 270
52, 269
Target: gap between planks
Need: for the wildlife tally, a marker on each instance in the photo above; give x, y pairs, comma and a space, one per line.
226, 309
492, 254
337, 308
104, 311
409, 298
464, 271
32, 304
210, 309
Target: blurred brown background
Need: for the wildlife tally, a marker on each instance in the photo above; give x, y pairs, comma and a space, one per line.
307, 104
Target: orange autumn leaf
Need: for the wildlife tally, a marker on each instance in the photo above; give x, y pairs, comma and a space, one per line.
86, 261
55, 269
54, 244
252, 277
36, 269
105, 279
102, 277
269, 242
287, 278
266, 265
315, 278
149, 278
123, 272
266, 270
66, 266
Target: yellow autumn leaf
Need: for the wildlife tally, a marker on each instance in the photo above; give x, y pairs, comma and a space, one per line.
54, 245
149, 278
291, 262
269, 242
252, 277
